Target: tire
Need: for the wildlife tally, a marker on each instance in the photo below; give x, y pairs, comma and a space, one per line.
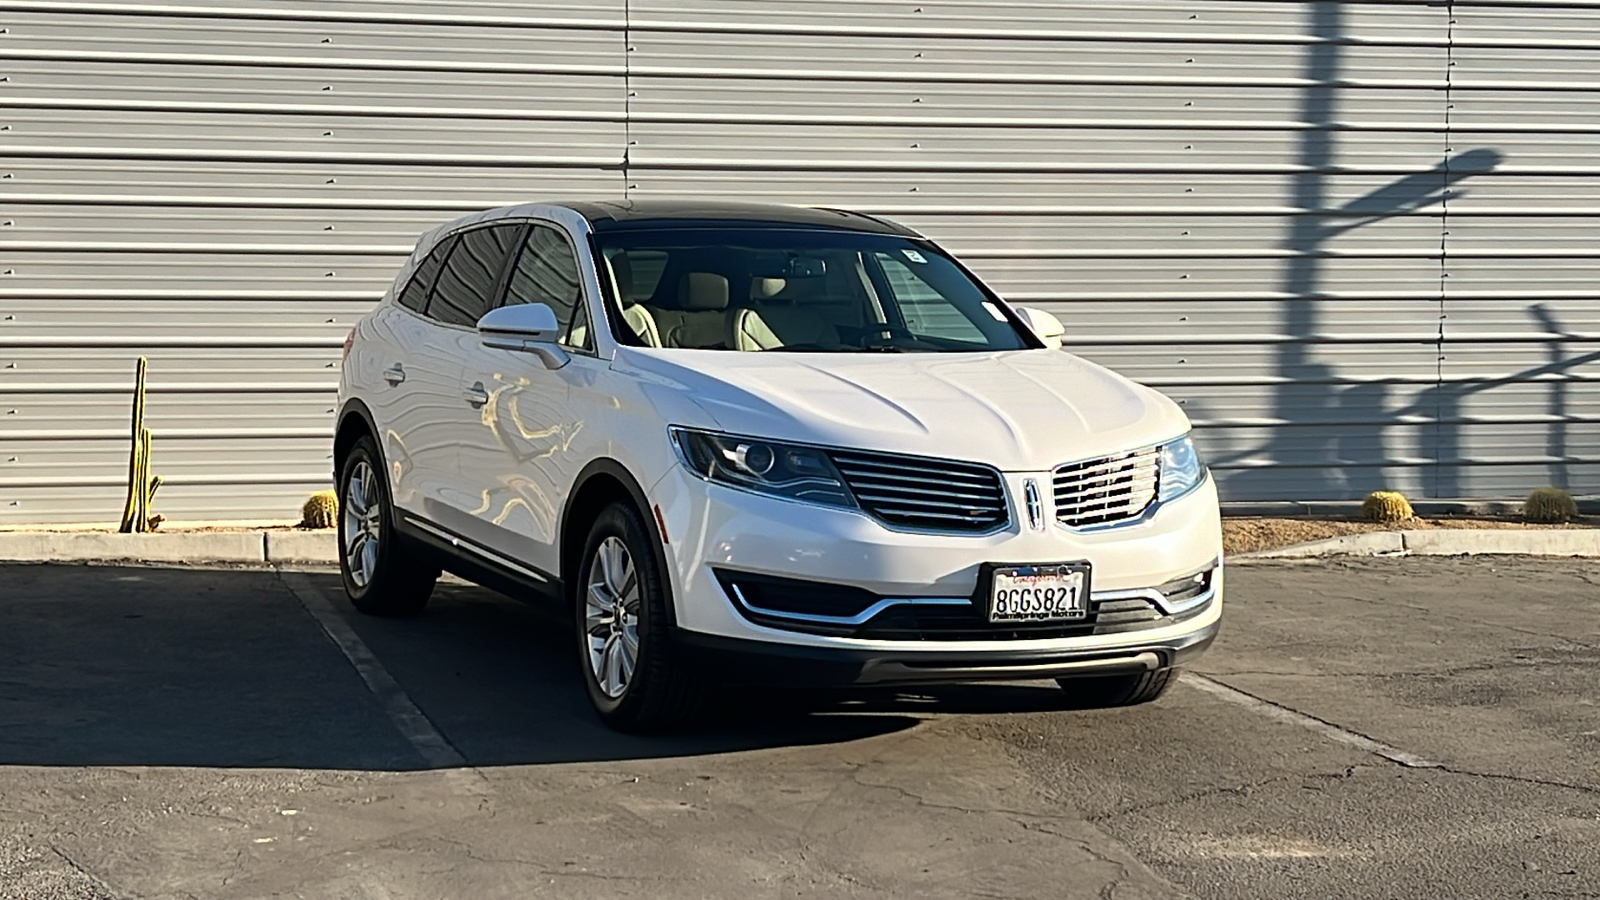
382, 576
1108, 691
635, 676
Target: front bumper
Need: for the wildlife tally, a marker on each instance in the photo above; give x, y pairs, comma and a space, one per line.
711, 528
752, 662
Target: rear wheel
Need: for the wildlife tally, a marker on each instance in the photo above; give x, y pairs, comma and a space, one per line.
381, 577
1105, 691
633, 673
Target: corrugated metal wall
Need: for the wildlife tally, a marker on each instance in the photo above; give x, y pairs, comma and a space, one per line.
1356, 239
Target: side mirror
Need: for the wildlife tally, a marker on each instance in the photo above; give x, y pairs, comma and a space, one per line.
526, 327
1047, 327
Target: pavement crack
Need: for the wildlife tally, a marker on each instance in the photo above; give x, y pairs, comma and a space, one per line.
954, 807
1385, 603
1521, 662
1522, 779
238, 867
1291, 716
566, 871
1108, 891
1240, 789
78, 867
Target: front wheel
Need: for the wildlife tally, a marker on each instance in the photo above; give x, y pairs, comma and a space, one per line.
634, 675
380, 577
1106, 691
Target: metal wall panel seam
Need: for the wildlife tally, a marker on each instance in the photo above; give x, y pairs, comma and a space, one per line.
306, 13
176, 480
1439, 413
316, 110
322, 156
230, 342
844, 120
1406, 462
186, 294
222, 201
331, 63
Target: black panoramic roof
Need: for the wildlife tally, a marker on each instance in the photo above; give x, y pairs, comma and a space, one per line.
629, 215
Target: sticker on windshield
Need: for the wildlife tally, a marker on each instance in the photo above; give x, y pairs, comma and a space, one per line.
914, 256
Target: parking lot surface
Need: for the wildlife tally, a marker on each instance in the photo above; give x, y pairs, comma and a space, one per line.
1377, 728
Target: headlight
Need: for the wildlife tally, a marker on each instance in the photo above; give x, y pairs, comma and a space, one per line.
1181, 471
766, 467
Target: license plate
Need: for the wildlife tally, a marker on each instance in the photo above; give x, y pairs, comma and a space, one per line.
1039, 593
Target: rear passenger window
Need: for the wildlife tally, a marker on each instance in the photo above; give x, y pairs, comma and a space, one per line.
465, 289
547, 272
415, 295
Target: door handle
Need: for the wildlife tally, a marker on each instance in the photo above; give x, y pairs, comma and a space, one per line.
476, 395
394, 374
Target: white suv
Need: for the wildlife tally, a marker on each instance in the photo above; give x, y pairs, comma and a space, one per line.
762, 444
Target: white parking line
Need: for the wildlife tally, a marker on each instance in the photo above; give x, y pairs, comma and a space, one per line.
407, 718
1326, 729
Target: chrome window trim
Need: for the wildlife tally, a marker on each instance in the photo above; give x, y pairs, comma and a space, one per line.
570, 223
568, 220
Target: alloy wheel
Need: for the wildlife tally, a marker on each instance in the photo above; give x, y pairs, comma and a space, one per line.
363, 526
611, 617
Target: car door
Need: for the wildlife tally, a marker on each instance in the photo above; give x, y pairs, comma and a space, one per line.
414, 380
517, 452
465, 288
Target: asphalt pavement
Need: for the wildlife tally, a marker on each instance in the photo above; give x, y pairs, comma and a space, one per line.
1386, 728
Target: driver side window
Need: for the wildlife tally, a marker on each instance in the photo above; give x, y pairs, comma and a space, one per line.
546, 272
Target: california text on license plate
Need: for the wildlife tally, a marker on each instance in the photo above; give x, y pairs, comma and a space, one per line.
1039, 593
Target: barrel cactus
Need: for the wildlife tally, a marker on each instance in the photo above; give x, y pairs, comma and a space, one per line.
321, 511
1548, 504
1386, 506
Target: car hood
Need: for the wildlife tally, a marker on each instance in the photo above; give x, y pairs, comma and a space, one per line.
1024, 410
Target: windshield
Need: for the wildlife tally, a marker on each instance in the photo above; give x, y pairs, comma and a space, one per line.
796, 291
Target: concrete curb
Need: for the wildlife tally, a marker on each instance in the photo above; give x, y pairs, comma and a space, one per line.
241, 547
1378, 543
302, 547
1345, 509
321, 547
1445, 542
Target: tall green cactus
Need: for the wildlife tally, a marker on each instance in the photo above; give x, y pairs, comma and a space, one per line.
142, 485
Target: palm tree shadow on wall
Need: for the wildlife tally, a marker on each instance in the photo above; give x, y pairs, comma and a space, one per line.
1339, 426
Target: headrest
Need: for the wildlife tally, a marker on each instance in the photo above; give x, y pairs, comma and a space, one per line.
622, 277
766, 288
702, 291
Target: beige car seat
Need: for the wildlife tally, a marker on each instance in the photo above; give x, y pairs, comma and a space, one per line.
634, 315
698, 317
771, 324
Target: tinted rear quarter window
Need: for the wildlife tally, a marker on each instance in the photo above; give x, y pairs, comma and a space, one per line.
465, 289
415, 295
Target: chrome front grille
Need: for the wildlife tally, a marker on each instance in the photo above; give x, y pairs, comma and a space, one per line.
926, 494
1107, 490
